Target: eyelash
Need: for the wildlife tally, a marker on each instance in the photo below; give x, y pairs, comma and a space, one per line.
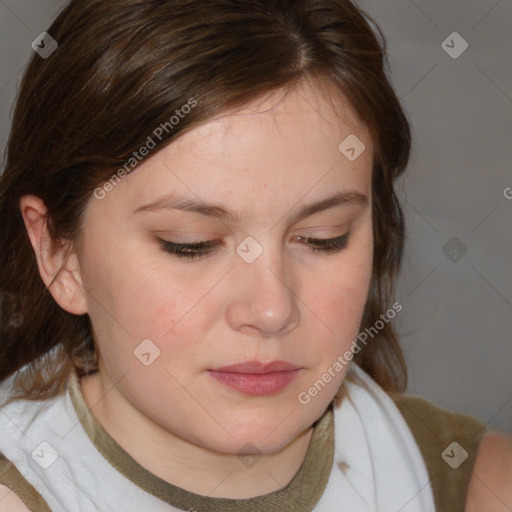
198, 249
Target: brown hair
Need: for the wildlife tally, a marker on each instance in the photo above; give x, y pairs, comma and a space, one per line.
121, 69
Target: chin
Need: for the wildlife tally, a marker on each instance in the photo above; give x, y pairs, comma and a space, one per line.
257, 434
247, 445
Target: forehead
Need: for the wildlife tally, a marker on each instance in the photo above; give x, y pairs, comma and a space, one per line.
309, 110
277, 149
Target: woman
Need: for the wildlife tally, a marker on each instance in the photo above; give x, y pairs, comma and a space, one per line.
206, 192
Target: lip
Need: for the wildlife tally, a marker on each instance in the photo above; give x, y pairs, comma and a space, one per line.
257, 367
255, 378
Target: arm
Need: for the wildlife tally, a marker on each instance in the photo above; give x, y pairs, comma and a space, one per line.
490, 487
9, 502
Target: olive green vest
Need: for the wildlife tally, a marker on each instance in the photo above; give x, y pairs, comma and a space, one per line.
435, 429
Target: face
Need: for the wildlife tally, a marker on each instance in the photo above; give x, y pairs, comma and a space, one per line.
230, 265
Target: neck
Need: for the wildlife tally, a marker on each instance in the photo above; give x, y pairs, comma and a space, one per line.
184, 464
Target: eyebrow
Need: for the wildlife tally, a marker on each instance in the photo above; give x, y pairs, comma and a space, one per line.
189, 204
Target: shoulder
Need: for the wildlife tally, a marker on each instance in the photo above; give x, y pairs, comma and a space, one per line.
432, 414
490, 488
10, 502
449, 442
16, 493
435, 427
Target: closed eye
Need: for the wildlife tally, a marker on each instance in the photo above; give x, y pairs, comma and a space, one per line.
205, 247
328, 245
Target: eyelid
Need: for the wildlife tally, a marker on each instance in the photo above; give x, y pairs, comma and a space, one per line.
202, 249
199, 236
328, 231
215, 242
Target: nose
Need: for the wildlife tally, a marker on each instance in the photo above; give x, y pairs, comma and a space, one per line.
262, 301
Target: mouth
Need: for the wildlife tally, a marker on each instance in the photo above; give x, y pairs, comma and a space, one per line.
255, 378
257, 367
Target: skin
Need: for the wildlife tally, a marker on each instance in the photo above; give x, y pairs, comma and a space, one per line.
9, 502
263, 162
490, 488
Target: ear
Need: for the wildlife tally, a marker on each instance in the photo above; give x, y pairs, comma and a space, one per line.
59, 267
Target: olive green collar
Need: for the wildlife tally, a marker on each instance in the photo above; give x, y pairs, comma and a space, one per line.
300, 495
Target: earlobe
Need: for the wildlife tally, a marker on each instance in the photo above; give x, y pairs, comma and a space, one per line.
59, 267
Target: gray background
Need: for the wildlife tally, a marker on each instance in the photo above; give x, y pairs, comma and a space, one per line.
455, 326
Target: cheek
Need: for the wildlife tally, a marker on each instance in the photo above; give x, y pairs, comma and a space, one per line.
342, 285
338, 300
341, 307
137, 294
